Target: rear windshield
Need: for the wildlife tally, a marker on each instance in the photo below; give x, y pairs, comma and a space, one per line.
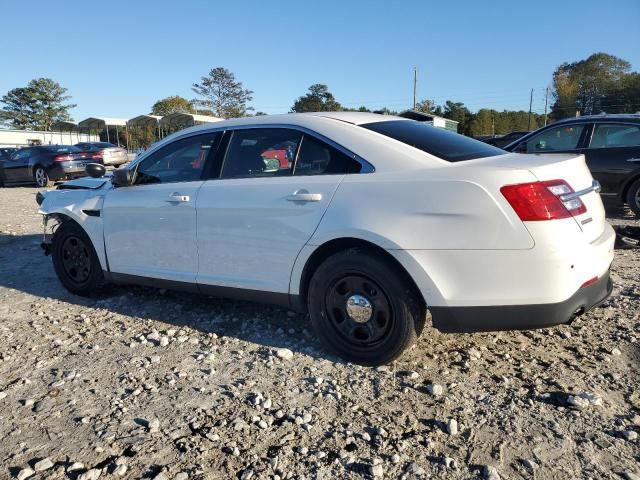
103, 145
436, 141
61, 148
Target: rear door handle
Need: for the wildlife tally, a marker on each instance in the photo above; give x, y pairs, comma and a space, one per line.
175, 197
303, 195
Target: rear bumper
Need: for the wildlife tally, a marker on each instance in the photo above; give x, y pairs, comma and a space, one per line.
521, 317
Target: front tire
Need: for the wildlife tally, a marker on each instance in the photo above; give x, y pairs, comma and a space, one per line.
41, 177
364, 308
75, 260
633, 197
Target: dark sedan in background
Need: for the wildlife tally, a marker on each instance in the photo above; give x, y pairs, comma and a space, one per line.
43, 164
610, 144
504, 140
104, 152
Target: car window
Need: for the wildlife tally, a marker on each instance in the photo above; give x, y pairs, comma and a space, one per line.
439, 142
318, 158
20, 154
180, 161
564, 137
260, 152
607, 135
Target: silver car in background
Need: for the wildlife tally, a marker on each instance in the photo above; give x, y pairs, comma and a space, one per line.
106, 152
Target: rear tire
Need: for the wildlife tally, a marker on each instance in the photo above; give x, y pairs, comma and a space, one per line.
75, 260
41, 177
633, 197
364, 308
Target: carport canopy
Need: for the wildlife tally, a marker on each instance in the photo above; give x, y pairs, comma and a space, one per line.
186, 119
62, 126
144, 121
96, 123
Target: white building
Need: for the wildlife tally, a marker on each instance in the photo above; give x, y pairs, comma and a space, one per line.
23, 138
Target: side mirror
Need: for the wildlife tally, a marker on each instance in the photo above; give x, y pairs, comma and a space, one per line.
95, 170
121, 177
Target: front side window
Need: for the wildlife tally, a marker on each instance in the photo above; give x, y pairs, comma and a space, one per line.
318, 158
608, 135
438, 142
261, 152
180, 161
564, 137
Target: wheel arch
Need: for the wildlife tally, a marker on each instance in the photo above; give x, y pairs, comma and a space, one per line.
635, 175
318, 254
92, 229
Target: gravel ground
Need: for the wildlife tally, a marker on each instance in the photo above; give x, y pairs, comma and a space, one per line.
145, 383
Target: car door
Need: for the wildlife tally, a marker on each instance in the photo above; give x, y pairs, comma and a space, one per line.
614, 153
274, 187
150, 226
16, 168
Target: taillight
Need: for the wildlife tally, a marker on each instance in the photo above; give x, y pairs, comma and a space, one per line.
62, 158
97, 156
537, 201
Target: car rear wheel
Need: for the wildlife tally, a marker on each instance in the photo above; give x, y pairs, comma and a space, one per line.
364, 308
75, 260
41, 177
633, 197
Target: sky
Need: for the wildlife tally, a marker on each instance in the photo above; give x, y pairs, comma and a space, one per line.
117, 58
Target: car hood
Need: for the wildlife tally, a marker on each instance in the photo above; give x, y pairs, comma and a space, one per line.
84, 183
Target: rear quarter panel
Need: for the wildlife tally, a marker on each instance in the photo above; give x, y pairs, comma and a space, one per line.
452, 210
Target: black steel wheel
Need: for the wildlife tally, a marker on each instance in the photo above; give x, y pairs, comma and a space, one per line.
75, 260
358, 309
364, 308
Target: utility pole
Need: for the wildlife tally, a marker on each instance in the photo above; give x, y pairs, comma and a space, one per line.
530, 104
546, 96
415, 84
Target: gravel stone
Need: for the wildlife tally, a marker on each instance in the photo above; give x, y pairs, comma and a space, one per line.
25, 473
284, 353
42, 465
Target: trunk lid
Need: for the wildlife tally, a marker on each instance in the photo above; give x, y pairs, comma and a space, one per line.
569, 167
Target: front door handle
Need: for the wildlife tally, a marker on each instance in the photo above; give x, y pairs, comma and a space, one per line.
175, 197
303, 195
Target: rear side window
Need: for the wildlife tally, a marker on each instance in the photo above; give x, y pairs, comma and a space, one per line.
318, 158
261, 152
607, 135
436, 141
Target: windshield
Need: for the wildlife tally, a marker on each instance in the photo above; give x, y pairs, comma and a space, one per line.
439, 142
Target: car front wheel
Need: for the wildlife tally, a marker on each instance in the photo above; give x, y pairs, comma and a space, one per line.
41, 177
364, 308
75, 260
633, 197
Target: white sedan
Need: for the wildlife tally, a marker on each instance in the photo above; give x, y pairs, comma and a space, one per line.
364, 221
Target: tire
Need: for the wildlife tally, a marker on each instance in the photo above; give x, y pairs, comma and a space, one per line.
41, 177
633, 197
386, 314
75, 260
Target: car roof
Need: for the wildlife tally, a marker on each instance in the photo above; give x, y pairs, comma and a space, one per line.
634, 117
338, 127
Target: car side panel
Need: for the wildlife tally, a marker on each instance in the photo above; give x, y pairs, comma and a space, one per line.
72, 204
427, 211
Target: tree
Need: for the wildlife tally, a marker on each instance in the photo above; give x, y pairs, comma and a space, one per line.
458, 112
225, 96
588, 86
426, 106
37, 106
319, 99
173, 104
